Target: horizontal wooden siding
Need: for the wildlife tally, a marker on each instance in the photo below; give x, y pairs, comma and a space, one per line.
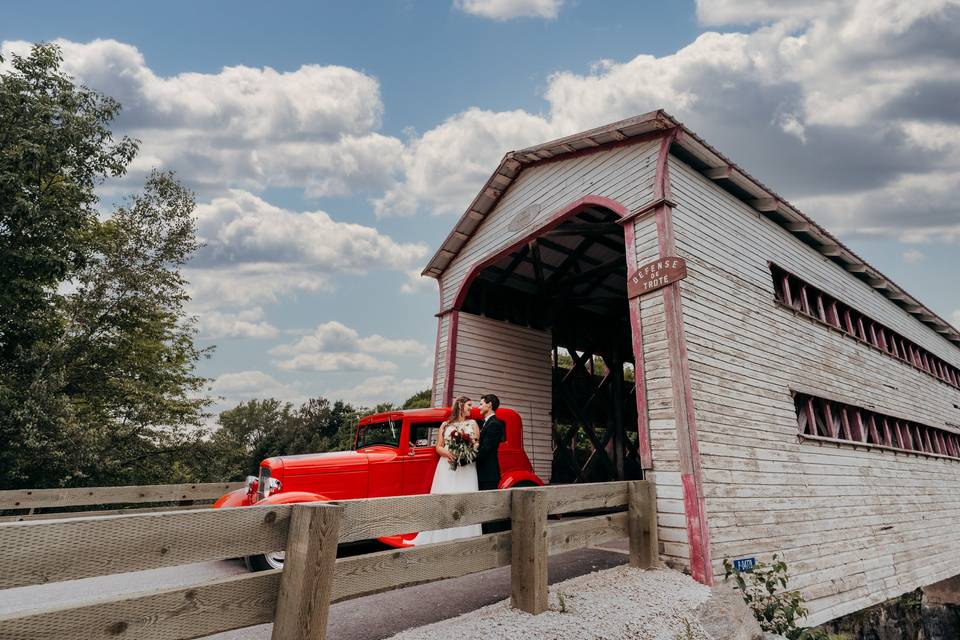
624, 174
514, 363
856, 526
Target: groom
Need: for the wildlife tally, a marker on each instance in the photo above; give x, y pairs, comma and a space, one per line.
488, 463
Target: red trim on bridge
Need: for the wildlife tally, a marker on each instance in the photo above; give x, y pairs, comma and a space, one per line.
698, 530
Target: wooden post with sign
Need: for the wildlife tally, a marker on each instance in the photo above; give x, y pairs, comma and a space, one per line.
656, 274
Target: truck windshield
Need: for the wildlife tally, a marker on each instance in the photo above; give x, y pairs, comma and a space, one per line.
383, 433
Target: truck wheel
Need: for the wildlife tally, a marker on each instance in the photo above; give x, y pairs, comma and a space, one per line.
524, 483
265, 561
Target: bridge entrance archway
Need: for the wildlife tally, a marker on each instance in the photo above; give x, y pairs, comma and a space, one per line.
570, 280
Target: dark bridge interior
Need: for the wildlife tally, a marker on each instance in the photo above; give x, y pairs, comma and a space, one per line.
572, 280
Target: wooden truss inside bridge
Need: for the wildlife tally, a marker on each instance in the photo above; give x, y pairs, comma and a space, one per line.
571, 280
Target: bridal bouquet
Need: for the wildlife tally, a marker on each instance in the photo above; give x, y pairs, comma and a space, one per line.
463, 446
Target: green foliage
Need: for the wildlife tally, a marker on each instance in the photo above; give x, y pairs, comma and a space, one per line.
777, 610
419, 400
259, 429
96, 353
912, 601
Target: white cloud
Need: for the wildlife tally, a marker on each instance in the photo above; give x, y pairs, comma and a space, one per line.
243, 228
245, 385
418, 283
241, 285
912, 208
445, 167
313, 127
509, 9
726, 12
334, 346
379, 389
258, 253
846, 108
230, 389
241, 386
335, 362
912, 256
249, 323
335, 336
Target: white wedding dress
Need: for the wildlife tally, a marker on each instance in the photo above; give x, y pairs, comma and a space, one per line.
447, 480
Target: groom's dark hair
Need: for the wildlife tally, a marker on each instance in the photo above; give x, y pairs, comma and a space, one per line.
492, 400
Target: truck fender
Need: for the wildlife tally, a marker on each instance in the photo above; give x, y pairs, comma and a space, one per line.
512, 478
293, 497
236, 498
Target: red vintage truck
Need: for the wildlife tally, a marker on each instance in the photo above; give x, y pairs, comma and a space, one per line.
394, 454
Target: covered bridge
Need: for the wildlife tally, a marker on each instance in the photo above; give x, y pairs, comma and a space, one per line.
652, 310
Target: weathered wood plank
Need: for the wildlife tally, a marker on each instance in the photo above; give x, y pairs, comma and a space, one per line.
623, 174
583, 497
585, 532
55, 550
377, 517
46, 498
524, 382
169, 614
61, 515
642, 522
381, 571
832, 510
713, 213
303, 603
241, 601
528, 560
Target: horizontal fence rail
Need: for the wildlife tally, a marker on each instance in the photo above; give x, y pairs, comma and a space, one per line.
57, 550
32, 499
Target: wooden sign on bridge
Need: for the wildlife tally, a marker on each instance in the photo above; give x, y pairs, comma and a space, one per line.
656, 274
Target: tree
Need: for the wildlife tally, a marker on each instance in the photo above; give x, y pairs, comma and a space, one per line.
419, 400
243, 437
316, 426
96, 352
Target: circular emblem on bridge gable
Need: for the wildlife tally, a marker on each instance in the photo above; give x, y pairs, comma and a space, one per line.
523, 219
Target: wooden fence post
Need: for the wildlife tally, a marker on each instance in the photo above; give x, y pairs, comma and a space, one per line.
307, 580
528, 561
642, 524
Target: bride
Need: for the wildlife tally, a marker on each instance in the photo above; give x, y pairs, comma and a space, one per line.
447, 480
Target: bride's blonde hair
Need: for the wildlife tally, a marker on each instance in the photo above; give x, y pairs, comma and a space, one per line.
457, 411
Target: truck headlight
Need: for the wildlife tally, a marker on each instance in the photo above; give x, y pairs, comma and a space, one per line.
266, 485
273, 486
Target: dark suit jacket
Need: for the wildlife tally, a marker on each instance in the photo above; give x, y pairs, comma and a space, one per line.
488, 464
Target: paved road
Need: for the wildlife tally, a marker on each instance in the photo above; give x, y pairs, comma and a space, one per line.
368, 618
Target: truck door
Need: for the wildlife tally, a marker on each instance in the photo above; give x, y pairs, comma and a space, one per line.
421, 457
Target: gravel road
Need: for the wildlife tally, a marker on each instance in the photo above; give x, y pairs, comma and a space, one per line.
622, 602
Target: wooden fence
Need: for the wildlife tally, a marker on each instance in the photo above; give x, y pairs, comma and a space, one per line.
29, 501
297, 598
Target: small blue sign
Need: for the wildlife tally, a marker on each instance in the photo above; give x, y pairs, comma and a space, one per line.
745, 565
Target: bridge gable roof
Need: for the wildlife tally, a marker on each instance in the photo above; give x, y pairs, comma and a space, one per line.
697, 152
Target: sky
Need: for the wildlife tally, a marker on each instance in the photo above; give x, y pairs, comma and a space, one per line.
333, 145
